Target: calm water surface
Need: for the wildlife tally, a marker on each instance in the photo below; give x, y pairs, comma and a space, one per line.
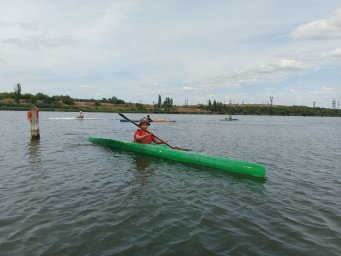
62, 195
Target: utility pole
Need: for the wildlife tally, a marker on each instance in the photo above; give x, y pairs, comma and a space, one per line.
314, 104
271, 99
186, 102
334, 103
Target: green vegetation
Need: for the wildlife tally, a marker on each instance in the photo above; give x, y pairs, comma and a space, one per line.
167, 105
217, 107
35, 99
17, 93
113, 100
18, 101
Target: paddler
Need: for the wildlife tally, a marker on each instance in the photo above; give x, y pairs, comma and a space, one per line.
149, 119
142, 136
81, 115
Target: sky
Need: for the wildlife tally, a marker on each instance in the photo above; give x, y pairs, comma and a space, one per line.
191, 51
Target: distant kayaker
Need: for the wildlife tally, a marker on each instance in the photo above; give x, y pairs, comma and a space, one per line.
142, 136
81, 115
149, 119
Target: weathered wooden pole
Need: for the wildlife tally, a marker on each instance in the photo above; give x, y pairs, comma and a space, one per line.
33, 117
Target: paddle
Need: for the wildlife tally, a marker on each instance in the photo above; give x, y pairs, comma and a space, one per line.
149, 132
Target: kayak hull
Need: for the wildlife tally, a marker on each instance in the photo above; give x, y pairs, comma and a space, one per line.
74, 118
154, 120
163, 151
160, 120
125, 120
229, 119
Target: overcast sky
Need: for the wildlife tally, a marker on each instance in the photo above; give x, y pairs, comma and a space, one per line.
195, 50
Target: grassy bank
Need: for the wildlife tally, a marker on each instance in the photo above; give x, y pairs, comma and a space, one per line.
193, 109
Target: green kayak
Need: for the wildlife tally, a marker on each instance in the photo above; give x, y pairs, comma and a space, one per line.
164, 151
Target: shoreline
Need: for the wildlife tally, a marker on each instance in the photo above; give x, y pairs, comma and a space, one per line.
191, 111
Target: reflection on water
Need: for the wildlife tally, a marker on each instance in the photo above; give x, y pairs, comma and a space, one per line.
143, 167
142, 162
33, 144
33, 147
36, 168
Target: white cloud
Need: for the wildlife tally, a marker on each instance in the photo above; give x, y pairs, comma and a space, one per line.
188, 88
87, 86
330, 55
37, 42
276, 71
136, 50
321, 29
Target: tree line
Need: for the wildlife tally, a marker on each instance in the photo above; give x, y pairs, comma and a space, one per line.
42, 100
45, 101
221, 108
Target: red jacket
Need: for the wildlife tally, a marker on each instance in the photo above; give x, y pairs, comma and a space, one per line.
146, 140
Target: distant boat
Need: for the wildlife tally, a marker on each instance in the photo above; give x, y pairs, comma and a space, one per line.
229, 119
74, 118
162, 120
155, 120
124, 120
81, 115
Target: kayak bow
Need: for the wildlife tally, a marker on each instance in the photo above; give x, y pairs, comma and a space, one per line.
162, 151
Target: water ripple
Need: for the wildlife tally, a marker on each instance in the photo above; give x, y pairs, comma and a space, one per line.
62, 195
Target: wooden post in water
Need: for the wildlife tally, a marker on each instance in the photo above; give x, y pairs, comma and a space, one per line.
33, 117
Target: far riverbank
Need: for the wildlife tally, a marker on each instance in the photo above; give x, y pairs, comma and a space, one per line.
230, 109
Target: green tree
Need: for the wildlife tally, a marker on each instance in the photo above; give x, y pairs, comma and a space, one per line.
42, 97
17, 92
115, 100
168, 103
159, 102
67, 100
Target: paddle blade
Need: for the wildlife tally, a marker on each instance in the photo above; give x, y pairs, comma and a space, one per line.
122, 115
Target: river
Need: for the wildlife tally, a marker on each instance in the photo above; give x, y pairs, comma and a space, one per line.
62, 195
